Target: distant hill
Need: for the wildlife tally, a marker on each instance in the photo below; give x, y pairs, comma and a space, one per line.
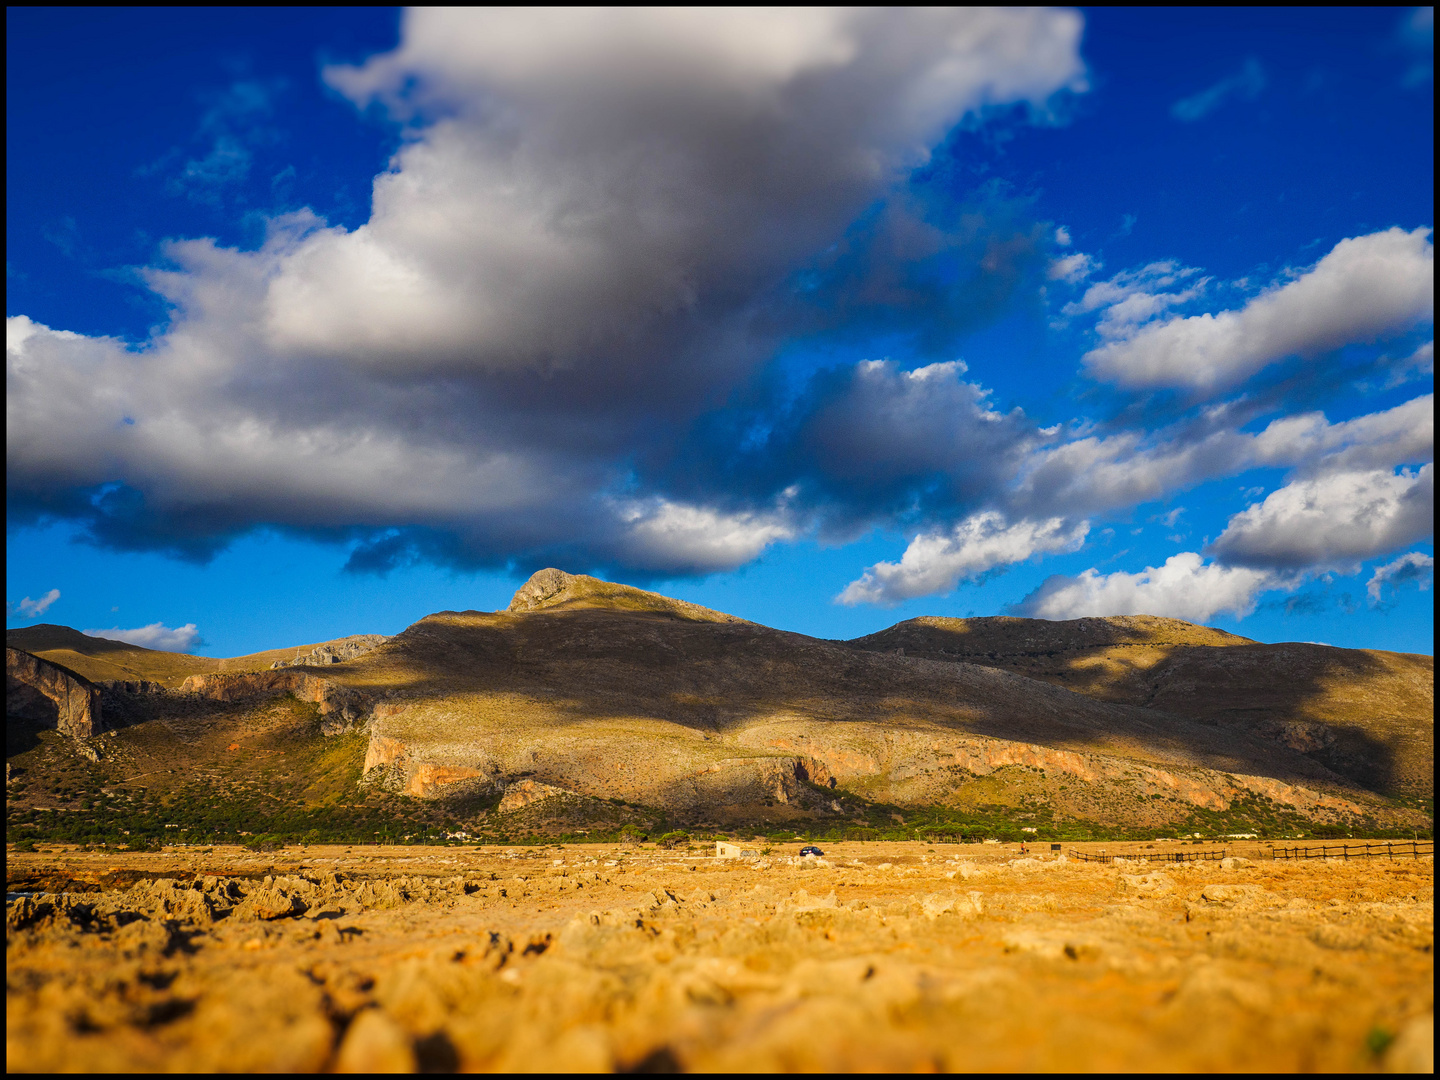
100, 659
1364, 714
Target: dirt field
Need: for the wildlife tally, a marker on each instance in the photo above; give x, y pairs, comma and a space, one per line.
879, 957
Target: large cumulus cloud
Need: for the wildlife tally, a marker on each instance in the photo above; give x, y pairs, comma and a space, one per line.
581, 248
1184, 587
1338, 519
558, 337
1367, 288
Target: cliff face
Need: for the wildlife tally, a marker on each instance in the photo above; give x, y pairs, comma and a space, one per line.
340, 707
38, 690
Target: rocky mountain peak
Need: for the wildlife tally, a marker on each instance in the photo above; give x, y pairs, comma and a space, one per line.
551, 588
544, 589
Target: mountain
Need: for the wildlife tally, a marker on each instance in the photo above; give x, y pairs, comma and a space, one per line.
102, 659
586, 701
1364, 714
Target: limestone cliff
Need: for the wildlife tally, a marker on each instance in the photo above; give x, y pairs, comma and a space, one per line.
340, 706
38, 690
334, 652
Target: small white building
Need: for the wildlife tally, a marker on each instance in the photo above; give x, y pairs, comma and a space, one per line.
724, 850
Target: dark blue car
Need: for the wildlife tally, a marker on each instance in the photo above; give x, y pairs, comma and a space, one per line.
812, 850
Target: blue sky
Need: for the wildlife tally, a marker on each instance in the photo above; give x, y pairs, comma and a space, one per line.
320, 321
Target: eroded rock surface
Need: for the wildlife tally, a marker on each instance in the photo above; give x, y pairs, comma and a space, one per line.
335, 652
341, 707
38, 690
877, 957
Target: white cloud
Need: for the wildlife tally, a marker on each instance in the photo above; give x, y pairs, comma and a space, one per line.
1184, 588
155, 636
1337, 519
33, 608
1071, 268
699, 539
602, 175
1245, 85
567, 262
1401, 435
1062, 236
1413, 566
1366, 289
1417, 365
935, 562
1133, 296
1093, 474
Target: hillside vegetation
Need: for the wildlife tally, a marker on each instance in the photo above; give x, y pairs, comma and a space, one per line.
1364, 714
591, 705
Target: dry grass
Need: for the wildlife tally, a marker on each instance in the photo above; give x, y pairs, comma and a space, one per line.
1364, 714
612, 692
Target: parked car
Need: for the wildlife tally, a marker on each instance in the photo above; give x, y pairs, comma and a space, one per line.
811, 850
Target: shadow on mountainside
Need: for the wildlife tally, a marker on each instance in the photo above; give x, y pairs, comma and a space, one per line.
22, 734
561, 668
43, 637
1364, 715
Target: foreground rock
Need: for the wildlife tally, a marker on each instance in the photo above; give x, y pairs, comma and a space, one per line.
877, 957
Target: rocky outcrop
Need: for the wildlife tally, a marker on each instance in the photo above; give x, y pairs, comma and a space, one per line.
383, 751
36, 689
340, 707
525, 792
786, 762
541, 590
906, 756
335, 652
426, 781
551, 588
389, 759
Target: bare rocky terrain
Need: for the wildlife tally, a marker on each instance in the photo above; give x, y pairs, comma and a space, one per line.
154, 942
594, 957
590, 704
1364, 714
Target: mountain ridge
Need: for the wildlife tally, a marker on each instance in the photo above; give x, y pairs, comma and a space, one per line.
583, 695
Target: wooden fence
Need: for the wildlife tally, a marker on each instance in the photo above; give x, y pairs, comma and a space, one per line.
1405, 849
1150, 856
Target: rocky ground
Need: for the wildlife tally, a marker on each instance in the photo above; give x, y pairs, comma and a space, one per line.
583, 957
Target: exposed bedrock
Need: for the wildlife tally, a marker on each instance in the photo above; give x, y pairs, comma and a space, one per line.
38, 690
335, 652
777, 764
340, 706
